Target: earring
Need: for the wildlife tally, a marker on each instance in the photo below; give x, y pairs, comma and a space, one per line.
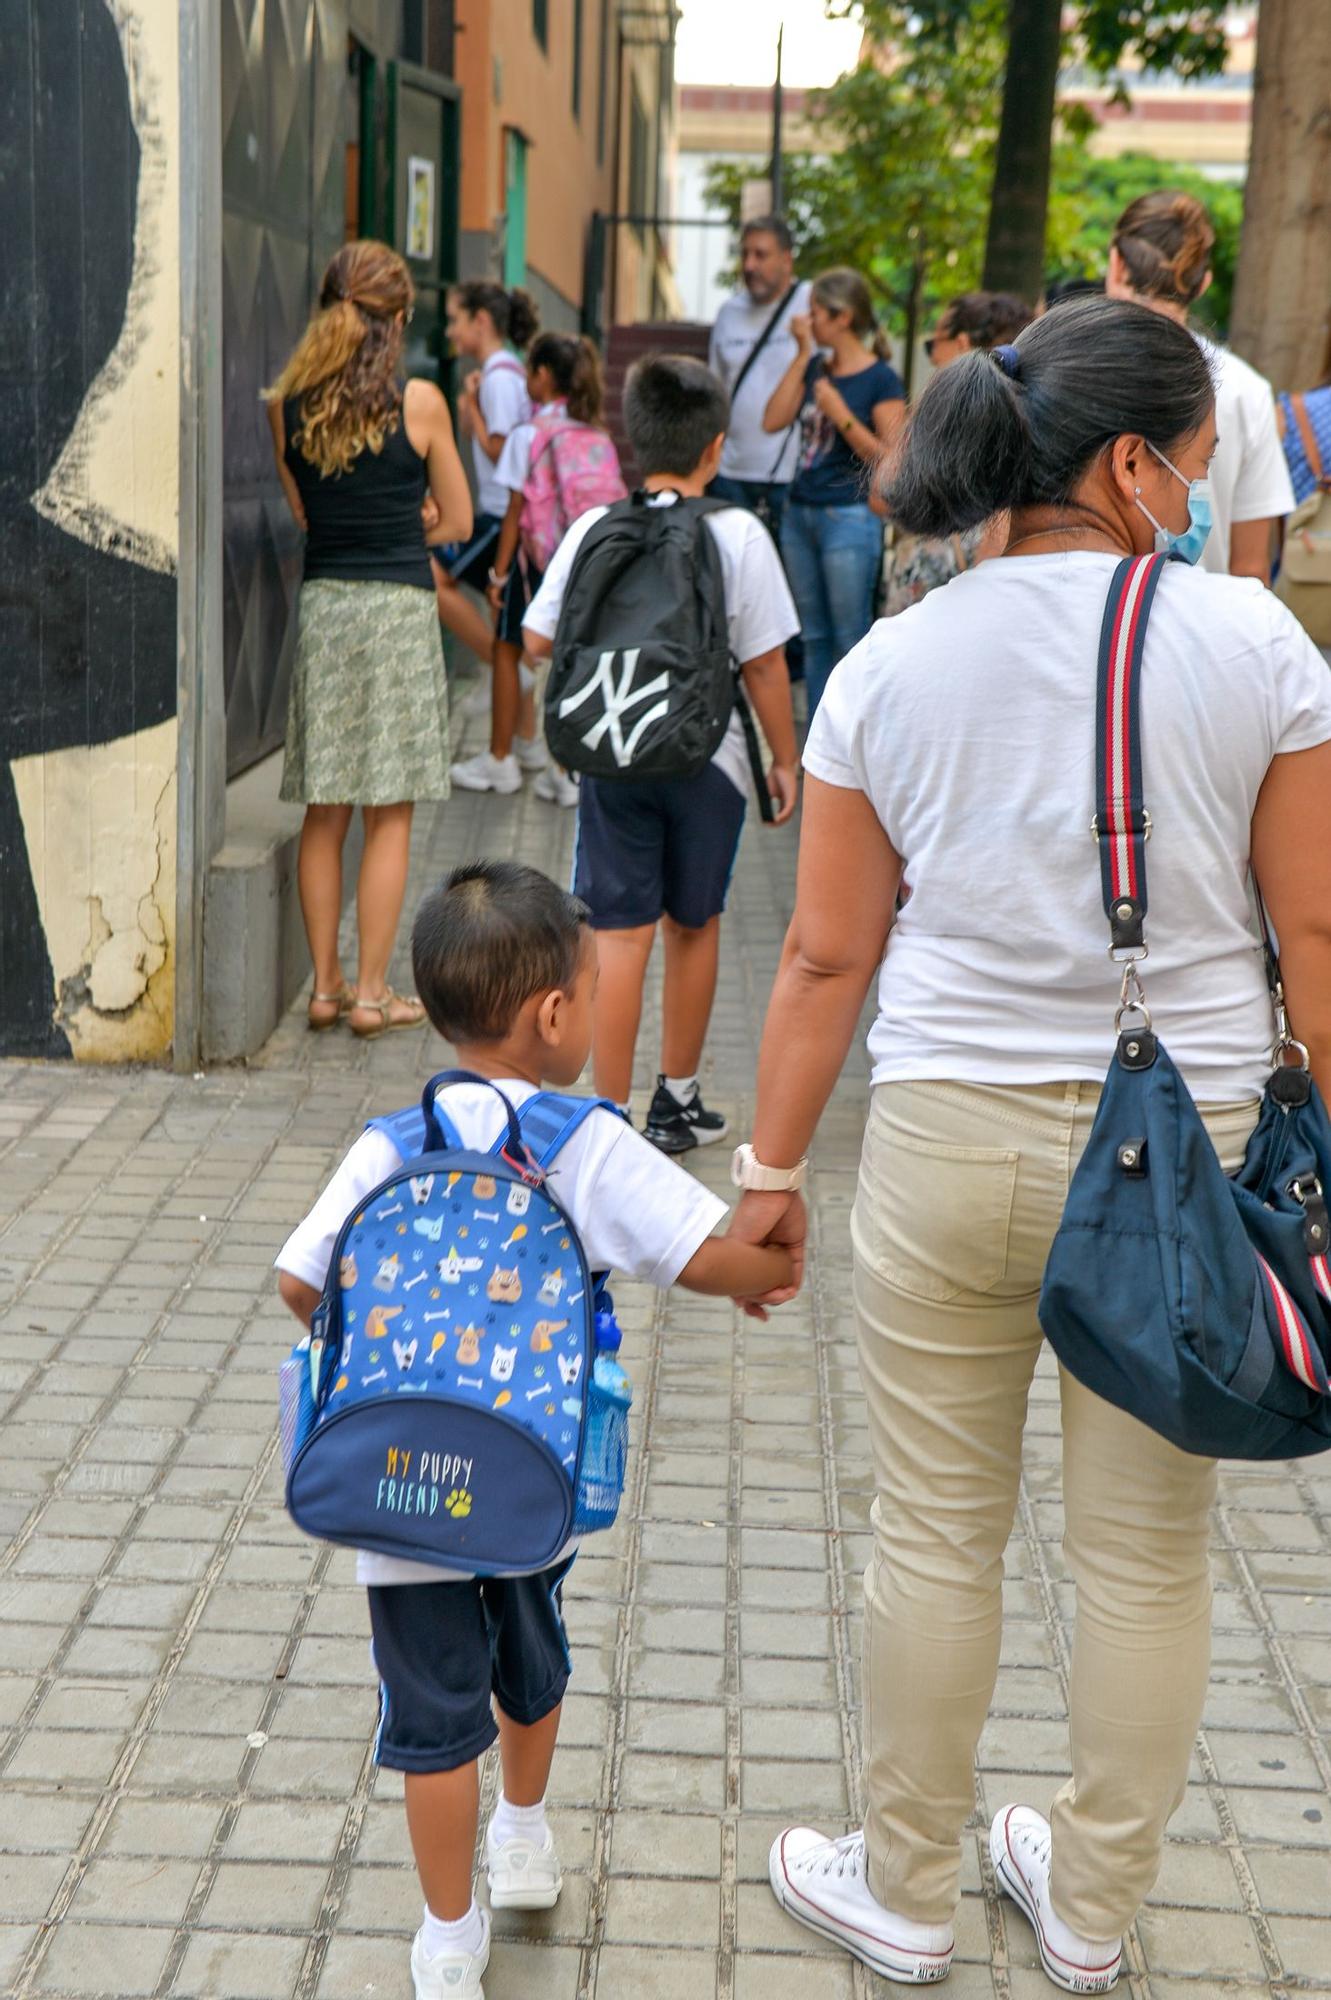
1137, 490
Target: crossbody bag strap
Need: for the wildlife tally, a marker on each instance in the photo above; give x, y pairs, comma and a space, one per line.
760, 343
1122, 825
1299, 405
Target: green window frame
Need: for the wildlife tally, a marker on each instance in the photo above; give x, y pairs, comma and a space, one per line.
515, 208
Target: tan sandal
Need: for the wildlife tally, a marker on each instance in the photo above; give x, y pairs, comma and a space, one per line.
383, 1008
342, 1001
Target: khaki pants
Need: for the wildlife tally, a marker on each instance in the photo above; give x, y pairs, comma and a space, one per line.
960, 1193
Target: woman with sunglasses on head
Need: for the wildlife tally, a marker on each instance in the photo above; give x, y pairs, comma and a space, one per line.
917, 564
955, 750
359, 455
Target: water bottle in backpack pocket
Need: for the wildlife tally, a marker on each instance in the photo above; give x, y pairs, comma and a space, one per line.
446, 1407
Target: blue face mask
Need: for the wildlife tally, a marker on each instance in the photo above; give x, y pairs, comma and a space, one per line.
1189, 545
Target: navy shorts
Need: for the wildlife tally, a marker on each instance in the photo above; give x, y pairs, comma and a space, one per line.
524, 580
663, 846
471, 561
443, 1649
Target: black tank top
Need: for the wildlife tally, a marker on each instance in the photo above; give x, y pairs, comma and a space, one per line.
363, 526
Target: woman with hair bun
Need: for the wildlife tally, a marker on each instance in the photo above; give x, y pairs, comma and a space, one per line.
955, 752
491, 325
359, 455
849, 408
1160, 257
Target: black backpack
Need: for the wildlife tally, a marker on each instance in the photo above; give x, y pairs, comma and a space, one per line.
642, 683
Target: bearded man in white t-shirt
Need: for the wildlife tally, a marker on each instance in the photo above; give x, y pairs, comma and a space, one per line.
751, 348
1161, 258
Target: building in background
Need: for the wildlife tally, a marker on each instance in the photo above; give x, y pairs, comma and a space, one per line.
177, 176
1202, 125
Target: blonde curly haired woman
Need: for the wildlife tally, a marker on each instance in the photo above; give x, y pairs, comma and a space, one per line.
360, 456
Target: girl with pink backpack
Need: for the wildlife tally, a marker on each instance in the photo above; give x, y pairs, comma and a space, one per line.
555, 468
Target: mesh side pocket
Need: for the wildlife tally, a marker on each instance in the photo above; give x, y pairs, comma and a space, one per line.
604, 1459
295, 1403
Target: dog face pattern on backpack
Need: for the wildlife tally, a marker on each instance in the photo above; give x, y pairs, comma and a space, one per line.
450, 1287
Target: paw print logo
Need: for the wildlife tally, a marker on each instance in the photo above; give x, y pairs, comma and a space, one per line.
458, 1503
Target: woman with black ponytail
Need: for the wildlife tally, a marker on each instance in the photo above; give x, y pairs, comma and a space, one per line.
492, 326
954, 756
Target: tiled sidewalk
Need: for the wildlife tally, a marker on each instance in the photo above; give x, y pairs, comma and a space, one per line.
187, 1804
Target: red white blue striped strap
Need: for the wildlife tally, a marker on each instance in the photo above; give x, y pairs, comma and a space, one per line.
1121, 821
1301, 1354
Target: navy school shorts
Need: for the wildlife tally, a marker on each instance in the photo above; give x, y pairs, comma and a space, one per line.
471, 562
664, 846
443, 1649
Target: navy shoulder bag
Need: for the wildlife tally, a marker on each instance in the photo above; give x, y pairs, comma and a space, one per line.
1196, 1301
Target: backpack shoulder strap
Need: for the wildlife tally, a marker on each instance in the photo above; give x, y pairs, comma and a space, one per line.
1122, 824
549, 1120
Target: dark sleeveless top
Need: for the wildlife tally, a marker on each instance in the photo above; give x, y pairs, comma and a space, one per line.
363, 526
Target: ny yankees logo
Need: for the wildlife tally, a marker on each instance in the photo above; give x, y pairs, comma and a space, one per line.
617, 699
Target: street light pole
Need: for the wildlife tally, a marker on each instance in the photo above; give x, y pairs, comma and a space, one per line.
778, 175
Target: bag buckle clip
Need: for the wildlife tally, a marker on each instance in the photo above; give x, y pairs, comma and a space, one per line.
1132, 996
1285, 1041
1316, 1224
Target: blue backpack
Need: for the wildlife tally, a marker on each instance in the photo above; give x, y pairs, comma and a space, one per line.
444, 1407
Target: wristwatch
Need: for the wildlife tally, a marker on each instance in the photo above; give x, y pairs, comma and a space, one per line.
748, 1171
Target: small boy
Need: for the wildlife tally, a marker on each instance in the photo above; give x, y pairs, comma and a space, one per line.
662, 850
506, 966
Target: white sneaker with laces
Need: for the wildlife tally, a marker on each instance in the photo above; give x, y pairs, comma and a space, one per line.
556, 787
485, 773
822, 1883
450, 1975
523, 1874
1019, 1847
530, 752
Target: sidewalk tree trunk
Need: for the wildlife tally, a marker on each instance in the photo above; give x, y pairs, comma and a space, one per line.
1014, 246
1282, 296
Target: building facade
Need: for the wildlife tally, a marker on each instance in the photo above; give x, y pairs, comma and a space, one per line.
178, 172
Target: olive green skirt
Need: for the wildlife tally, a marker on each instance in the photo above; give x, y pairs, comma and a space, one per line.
368, 719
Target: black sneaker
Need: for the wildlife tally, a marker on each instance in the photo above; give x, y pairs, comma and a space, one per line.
676, 1127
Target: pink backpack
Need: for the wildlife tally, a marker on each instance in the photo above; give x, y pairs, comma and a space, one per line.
573, 468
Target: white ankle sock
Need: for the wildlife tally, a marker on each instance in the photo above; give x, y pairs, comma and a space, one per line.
466, 1934
518, 1822
681, 1088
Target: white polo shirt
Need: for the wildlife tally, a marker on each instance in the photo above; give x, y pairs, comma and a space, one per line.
750, 451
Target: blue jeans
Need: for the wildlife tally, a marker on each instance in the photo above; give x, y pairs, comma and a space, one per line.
832, 557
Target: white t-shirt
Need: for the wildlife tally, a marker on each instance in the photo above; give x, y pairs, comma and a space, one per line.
514, 461
634, 1209
759, 608
504, 404
969, 723
750, 451
1249, 477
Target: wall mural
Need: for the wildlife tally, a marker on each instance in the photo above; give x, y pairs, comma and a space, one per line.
88, 520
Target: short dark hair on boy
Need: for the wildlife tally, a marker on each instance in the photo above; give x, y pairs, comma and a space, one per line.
673, 407
486, 939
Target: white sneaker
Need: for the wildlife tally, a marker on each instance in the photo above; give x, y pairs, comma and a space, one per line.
476, 702
450, 1975
484, 773
523, 1874
556, 787
530, 753
822, 1883
1019, 1845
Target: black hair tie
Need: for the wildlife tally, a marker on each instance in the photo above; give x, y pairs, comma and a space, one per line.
1009, 360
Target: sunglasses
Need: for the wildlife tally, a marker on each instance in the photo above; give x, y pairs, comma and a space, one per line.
931, 342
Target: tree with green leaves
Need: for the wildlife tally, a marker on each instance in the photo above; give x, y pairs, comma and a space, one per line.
1188, 40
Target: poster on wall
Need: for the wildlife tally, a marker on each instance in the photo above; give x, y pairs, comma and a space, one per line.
420, 208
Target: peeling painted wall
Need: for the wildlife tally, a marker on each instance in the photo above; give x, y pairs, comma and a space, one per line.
89, 461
